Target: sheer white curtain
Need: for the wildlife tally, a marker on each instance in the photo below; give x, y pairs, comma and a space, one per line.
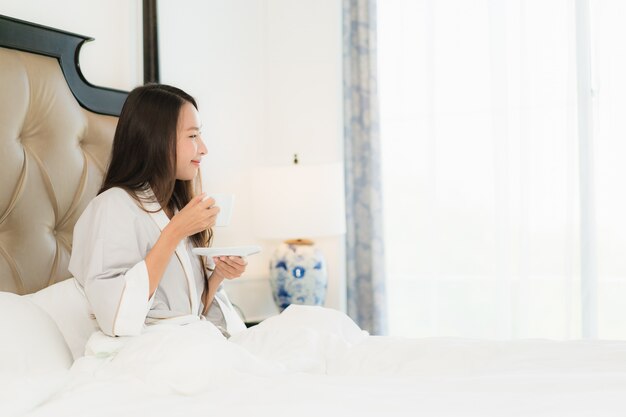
482, 176
609, 81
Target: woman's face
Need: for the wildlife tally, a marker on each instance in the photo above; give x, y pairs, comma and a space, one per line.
189, 145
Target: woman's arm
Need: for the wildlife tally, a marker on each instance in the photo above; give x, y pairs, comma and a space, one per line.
197, 215
108, 260
159, 257
207, 297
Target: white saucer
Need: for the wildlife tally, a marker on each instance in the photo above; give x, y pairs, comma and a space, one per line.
228, 251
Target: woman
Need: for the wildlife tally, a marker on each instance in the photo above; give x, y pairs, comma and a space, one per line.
132, 244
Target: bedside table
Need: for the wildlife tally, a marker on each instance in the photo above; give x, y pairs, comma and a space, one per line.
254, 320
252, 297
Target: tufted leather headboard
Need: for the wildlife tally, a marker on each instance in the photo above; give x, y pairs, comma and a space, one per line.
56, 132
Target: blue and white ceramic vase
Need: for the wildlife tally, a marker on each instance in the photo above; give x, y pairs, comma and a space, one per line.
298, 274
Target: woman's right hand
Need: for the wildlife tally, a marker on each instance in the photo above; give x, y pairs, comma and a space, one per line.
196, 216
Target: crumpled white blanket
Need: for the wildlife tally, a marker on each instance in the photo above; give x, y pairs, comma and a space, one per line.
195, 357
21, 393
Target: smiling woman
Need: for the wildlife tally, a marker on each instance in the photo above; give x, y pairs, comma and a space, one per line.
148, 209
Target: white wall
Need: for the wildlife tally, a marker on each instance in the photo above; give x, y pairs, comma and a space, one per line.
114, 58
267, 75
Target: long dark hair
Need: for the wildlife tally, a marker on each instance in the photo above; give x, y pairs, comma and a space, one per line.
144, 150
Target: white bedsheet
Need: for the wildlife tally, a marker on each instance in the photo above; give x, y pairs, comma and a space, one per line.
313, 362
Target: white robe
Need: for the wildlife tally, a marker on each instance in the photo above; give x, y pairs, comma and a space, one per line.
111, 241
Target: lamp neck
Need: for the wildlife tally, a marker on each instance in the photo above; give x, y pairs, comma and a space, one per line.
305, 242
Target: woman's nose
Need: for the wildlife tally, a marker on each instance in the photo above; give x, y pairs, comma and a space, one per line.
202, 148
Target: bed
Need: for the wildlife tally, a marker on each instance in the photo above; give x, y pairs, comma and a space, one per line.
55, 133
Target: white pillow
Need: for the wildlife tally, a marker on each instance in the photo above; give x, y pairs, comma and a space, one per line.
31, 342
68, 307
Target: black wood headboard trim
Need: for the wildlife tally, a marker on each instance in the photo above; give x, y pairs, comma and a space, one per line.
150, 42
64, 46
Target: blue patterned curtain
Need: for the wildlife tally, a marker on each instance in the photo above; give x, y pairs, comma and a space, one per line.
365, 251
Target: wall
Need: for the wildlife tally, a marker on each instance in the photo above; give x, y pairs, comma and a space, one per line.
115, 25
267, 76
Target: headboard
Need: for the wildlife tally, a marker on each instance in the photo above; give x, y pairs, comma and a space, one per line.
56, 131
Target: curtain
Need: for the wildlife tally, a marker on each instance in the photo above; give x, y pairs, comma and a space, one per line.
366, 296
500, 166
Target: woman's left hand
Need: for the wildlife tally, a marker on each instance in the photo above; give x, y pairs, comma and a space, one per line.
229, 267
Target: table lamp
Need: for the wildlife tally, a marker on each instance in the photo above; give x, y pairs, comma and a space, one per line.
299, 202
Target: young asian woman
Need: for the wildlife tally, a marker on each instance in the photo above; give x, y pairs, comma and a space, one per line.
132, 244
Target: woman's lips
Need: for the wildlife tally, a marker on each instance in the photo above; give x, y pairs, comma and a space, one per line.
197, 163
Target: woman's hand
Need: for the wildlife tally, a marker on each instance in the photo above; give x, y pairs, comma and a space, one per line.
196, 216
228, 267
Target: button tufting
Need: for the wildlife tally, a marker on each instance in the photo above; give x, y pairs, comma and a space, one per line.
43, 157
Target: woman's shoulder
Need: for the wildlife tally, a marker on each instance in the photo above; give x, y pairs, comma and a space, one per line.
114, 197
111, 210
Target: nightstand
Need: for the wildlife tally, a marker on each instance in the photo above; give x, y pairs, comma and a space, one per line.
254, 320
252, 297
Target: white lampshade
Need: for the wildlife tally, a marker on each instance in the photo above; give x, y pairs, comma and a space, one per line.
299, 201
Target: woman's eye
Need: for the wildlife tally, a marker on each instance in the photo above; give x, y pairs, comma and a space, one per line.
193, 136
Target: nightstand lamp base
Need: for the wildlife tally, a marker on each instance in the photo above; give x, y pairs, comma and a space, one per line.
298, 274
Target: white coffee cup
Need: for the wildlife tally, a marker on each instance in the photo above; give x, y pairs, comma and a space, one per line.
225, 203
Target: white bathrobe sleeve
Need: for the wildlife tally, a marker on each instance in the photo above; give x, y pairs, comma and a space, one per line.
108, 259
